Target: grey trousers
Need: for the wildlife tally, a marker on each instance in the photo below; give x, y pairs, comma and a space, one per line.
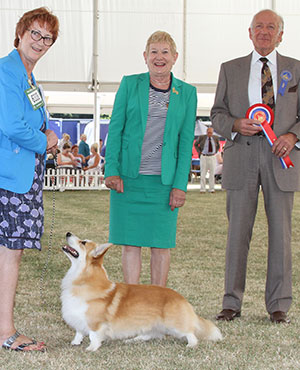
241, 212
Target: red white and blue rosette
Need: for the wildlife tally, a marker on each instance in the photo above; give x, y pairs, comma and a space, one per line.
261, 113
265, 116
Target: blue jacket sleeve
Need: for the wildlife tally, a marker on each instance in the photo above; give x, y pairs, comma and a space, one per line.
15, 116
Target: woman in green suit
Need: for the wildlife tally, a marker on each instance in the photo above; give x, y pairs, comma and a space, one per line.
148, 156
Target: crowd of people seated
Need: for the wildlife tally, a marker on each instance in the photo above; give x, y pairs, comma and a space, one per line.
83, 157
80, 157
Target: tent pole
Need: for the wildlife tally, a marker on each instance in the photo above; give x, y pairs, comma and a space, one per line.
273, 5
95, 82
184, 40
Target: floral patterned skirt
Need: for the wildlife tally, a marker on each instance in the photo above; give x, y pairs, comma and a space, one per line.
22, 215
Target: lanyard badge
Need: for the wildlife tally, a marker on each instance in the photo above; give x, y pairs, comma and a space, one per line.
34, 96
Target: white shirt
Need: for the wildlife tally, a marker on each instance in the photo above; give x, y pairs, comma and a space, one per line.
254, 85
205, 148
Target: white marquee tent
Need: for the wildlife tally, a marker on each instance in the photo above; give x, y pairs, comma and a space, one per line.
207, 32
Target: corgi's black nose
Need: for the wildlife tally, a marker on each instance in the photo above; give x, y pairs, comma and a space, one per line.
68, 234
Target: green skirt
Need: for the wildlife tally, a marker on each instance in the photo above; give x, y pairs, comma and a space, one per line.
141, 216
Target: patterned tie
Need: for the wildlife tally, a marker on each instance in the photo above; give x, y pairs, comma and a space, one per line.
210, 149
267, 92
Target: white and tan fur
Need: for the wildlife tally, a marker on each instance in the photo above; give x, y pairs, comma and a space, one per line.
95, 306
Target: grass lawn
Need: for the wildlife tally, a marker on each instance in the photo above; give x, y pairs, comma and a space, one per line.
197, 272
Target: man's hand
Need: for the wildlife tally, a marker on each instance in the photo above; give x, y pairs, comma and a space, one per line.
115, 183
284, 144
177, 198
246, 126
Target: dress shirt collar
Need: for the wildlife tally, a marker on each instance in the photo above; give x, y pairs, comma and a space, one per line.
272, 57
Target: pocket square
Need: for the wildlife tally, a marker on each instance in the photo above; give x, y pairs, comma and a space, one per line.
293, 88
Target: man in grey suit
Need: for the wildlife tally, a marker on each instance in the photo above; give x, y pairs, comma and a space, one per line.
250, 163
207, 147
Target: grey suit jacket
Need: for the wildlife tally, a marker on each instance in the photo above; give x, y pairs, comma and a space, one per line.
231, 102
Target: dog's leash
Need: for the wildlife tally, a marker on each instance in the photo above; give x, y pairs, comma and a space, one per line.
50, 238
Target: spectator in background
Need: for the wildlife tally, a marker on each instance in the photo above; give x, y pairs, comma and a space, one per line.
84, 148
93, 160
93, 165
65, 140
80, 159
65, 159
219, 167
207, 147
102, 155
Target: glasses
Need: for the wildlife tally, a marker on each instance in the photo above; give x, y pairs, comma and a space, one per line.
37, 36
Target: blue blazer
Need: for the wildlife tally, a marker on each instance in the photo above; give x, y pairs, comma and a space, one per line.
20, 135
128, 124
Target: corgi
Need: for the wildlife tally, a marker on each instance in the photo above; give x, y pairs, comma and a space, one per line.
95, 306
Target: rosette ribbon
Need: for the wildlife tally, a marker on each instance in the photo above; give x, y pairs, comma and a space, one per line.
264, 114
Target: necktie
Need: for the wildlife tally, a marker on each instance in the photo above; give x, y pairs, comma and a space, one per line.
267, 92
210, 149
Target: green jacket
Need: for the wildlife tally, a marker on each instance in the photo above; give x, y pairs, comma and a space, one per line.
128, 124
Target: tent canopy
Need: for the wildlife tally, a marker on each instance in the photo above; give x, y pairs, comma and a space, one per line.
207, 33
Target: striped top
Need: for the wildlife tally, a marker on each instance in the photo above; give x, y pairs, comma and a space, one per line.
154, 133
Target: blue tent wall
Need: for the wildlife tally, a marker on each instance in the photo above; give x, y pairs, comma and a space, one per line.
75, 128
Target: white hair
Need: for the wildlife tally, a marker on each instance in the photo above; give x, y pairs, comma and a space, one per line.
280, 20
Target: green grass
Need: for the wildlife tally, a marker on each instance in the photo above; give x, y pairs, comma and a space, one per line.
197, 272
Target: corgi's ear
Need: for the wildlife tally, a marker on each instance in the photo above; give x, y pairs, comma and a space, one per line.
100, 250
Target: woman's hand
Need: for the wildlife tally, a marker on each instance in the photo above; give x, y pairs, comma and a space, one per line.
115, 183
52, 141
177, 198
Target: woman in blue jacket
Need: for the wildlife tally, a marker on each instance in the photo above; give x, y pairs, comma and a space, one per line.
148, 158
24, 140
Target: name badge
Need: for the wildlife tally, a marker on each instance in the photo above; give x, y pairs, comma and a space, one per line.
34, 97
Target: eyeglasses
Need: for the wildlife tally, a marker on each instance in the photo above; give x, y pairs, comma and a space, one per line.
37, 36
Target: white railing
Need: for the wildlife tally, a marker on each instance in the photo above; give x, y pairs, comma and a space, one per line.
72, 179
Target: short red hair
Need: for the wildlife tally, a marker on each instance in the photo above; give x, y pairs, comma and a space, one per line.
43, 16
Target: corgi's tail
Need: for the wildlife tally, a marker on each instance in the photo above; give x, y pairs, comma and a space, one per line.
207, 330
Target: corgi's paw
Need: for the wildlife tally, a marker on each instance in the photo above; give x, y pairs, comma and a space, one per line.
192, 340
77, 339
93, 347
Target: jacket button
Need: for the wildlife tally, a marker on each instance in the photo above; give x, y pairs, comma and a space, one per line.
248, 143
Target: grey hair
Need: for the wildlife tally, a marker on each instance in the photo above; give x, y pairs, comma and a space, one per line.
280, 20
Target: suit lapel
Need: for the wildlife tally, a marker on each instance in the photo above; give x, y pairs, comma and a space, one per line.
243, 74
143, 94
282, 65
